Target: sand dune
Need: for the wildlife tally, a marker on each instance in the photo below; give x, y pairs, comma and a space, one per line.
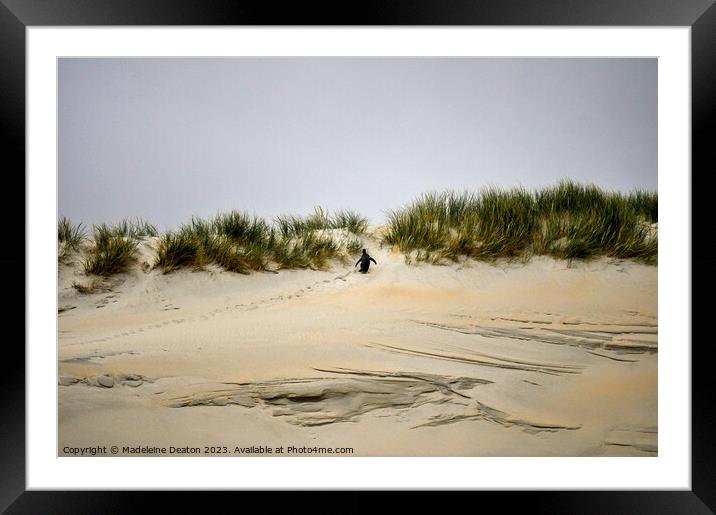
545, 358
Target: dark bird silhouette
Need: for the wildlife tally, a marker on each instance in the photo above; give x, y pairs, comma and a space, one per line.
364, 261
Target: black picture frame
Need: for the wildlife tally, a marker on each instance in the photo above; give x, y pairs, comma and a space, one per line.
700, 15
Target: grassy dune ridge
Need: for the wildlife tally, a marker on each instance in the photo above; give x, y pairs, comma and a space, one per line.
242, 243
566, 221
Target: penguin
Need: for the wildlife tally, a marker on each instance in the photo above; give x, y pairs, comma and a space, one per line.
364, 261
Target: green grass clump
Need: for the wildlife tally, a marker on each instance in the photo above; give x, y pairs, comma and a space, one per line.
177, 250
493, 224
318, 249
319, 220
115, 246
569, 221
322, 220
308, 249
569, 197
135, 228
240, 227
646, 204
307, 242
130, 229
222, 251
112, 254
351, 221
70, 236
242, 243
353, 246
504, 222
291, 226
288, 253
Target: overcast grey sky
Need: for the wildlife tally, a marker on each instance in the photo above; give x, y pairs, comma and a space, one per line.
166, 139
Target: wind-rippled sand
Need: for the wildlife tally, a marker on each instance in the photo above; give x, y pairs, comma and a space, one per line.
475, 359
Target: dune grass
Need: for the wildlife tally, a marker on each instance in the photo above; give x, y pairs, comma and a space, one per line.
112, 254
241, 243
350, 220
645, 203
134, 228
115, 246
177, 250
321, 220
566, 221
70, 236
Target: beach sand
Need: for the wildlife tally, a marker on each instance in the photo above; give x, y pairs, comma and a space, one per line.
543, 358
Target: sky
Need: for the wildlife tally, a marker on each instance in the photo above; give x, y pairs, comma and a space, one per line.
170, 138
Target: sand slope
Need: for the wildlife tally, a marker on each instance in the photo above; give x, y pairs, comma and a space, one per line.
472, 359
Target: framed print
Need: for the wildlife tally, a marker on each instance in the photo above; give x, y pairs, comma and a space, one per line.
201, 321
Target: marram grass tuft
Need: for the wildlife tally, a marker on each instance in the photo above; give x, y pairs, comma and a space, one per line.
568, 221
